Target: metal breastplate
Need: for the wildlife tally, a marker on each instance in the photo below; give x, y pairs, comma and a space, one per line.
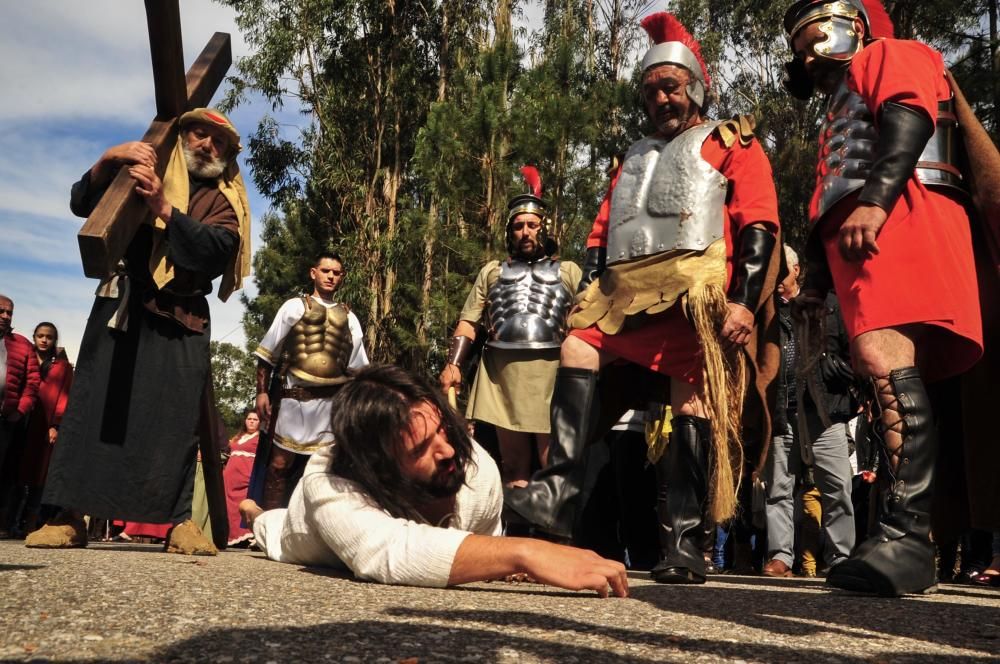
849, 146
320, 344
526, 307
667, 197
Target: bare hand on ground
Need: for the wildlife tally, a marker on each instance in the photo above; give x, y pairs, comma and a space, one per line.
576, 569
858, 233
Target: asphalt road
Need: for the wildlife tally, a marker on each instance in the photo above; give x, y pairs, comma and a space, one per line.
127, 602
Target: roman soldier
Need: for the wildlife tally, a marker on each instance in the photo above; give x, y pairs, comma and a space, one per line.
314, 342
889, 219
520, 304
681, 265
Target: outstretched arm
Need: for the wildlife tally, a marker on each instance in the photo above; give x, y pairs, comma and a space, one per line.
482, 558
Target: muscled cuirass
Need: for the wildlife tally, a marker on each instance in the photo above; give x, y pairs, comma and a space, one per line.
849, 146
526, 306
667, 197
320, 344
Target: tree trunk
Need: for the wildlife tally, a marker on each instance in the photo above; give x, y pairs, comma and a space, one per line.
995, 66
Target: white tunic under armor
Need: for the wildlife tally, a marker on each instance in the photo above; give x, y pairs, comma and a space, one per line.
304, 426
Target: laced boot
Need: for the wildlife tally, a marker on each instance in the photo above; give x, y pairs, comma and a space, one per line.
549, 500
186, 538
682, 476
67, 530
899, 558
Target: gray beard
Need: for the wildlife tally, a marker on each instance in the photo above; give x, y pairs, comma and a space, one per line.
201, 169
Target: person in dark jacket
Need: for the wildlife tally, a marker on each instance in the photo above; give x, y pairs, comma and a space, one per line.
810, 425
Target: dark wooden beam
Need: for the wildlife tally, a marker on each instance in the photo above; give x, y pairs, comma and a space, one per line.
208, 71
108, 230
106, 234
163, 20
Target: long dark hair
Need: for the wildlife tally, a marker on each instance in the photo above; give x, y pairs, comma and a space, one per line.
370, 415
53, 353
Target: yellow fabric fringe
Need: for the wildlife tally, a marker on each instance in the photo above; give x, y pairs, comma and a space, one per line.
724, 378
653, 285
650, 285
658, 434
176, 189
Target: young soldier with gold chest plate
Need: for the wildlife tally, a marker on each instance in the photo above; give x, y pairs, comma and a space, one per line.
321, 341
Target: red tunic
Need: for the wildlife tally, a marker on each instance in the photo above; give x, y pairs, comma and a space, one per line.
53, 393
924, 271
667, 342
236, 477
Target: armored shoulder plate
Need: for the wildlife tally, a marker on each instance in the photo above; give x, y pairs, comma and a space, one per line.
526, 306
320, 344
667, 197
849, 146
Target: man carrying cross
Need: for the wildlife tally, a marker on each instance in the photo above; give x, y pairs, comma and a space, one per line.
128, 441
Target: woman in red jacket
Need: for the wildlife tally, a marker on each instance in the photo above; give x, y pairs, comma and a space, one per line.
43, 425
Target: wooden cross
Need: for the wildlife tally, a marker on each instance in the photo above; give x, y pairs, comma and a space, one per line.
111, 226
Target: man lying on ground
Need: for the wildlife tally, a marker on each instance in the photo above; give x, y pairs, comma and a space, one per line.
405, 496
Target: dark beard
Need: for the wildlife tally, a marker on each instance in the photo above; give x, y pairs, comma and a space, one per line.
446, 485
538, 252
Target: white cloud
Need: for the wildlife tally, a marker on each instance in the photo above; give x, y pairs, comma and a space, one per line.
83, 61
77, 77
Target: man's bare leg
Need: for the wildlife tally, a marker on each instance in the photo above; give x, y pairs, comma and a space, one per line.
515, 452
875, 354
899, 558
542, 445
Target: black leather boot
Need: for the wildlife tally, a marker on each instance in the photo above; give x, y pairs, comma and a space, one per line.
549, 501
899, 558
682, 478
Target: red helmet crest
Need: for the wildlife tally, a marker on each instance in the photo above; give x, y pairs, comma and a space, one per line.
664, 27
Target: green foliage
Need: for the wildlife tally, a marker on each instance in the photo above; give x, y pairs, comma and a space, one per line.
416, 117
234, 381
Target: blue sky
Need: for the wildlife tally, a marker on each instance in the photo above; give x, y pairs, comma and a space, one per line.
77, 78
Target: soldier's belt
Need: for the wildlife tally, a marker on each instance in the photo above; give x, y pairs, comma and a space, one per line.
299, 393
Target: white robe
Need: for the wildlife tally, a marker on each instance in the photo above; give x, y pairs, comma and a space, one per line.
333, 522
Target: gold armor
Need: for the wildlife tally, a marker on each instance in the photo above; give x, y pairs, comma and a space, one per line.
320, 344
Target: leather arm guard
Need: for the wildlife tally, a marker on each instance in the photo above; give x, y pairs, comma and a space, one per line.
459, 351
750, 268
263, 376
593, 266
902, 135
